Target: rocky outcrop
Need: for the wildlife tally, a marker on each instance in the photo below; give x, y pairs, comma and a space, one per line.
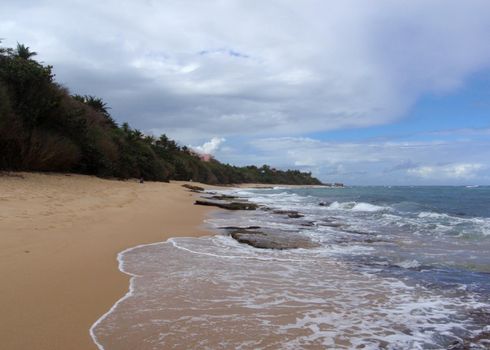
228, 205
332, 224
290, 213
240, 228
357, 232
193, 188
223, 197
272, 239
306, 223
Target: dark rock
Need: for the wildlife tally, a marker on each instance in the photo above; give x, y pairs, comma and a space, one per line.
372, 240
193, 188
456, 345
224, 197
358, 232
307, 223
228, 205
286, 212
273, 239
291, 213
240, 228
322, 204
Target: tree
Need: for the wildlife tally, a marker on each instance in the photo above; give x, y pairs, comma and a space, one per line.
98, 105
24, 52
43, 127
150, 139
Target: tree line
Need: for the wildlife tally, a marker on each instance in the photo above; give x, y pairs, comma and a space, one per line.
45, 128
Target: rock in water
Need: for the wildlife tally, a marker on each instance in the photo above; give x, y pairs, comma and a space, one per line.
193, 188
290, 213
224, 197
273, 239
228, 205
240, 228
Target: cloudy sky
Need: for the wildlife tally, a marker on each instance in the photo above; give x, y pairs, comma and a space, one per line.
362, 92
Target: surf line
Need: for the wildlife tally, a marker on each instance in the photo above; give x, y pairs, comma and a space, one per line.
128, 294
171, 240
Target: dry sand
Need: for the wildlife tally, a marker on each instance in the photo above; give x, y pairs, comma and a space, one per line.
59, 237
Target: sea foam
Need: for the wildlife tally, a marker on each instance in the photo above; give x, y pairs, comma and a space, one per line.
381, 278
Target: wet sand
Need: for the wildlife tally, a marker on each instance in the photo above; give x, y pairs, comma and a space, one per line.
59, 238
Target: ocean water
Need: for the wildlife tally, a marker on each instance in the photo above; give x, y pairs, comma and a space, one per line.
395, 268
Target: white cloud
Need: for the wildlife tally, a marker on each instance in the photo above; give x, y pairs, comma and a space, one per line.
317, 152
263, 73
373, 162
448, 171
197, 69
209, 147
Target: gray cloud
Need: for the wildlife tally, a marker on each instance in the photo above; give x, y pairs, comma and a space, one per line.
257, 71
406, 165
201, 69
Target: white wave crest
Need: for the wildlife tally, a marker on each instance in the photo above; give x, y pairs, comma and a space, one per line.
409, 264
432, 215
355, 206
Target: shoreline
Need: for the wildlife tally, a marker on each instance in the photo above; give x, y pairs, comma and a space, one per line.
129, 293
60, 235
242, 282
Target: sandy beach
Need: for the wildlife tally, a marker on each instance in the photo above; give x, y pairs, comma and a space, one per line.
59, 237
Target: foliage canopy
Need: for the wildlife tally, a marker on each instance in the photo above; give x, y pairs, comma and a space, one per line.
44, 128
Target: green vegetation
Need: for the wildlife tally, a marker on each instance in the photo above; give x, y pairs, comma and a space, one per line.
44, 128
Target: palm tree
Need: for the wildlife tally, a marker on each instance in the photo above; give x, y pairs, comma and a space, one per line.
150, 139
97, 104
137, 134
78, 98
24, 52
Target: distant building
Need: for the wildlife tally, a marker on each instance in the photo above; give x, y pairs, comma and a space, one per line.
205, 157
